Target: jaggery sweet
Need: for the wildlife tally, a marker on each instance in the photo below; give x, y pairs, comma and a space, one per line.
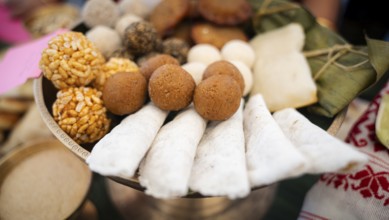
217, 98
125, 93
171, 87
223, 67
150, 65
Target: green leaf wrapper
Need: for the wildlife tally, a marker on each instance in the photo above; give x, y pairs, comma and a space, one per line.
341, 71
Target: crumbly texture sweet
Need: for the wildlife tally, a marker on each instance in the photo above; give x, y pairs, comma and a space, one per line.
223, 67
80, 112
167, 14
208, 33
99, 35
225, 12
113, 66
177, 48
125, 93
150, 65
100, 12
71, 60
171, 87
217, 98
140, 37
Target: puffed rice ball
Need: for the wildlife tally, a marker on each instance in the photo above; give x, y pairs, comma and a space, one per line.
239, 50
106, 39
71, 60
114, 65
196, 70
100, 12
246, 73
81, 114
204, 53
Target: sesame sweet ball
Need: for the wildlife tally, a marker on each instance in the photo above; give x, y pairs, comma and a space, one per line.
150, 65
71, 60
177, 48
223, 67
80, 112
217, 98
100, 12
141, 37
113, 66
125, 93
171, 87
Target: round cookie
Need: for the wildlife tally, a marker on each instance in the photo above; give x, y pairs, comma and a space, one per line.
171, 87
239, 50
204, 53
217, 98
167, 14
225, 12
149, 66
223, 67
125, 93
207, 33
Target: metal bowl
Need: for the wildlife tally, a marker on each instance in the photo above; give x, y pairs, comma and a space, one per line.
45, 95
19, 169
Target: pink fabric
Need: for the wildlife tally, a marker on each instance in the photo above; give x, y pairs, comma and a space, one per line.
22, 62
11, 31
363, 194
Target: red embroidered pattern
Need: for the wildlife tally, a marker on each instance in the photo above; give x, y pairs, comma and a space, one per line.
373, 180
367, 182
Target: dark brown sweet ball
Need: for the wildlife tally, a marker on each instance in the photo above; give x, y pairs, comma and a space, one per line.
208, 33
223, 67
225, 12
140, 37
125, 93
150, 65
177, 48
171, 87
217, 98
167, 14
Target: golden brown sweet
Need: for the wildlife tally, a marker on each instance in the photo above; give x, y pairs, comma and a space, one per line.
149, 66
223, 67
167, 14
171, 87
80, 112
114, 65
217, 98
207, 33
71, 60
225, 12
125, 93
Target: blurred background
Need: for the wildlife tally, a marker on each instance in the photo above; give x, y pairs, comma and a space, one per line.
22, 21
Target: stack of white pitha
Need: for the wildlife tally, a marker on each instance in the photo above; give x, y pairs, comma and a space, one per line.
253, 148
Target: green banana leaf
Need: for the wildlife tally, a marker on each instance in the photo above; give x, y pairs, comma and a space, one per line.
341, 71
